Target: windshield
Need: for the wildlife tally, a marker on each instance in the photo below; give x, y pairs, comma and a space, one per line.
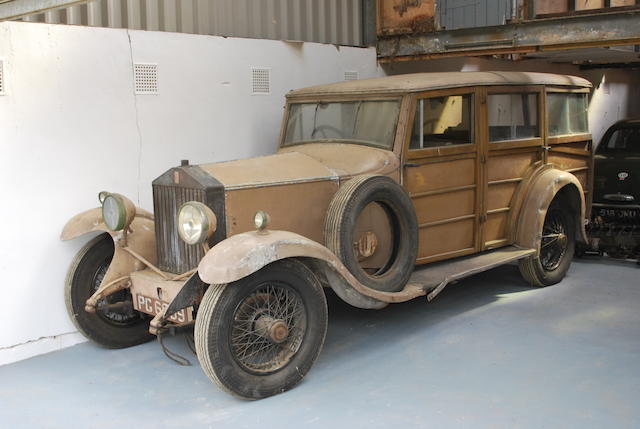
371, 123
623, 141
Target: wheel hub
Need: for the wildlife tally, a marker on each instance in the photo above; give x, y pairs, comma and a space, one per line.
275, 330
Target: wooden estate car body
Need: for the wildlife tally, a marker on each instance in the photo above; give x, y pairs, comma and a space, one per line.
455, 173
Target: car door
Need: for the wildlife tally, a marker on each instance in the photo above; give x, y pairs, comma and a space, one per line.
441, 173
512, 144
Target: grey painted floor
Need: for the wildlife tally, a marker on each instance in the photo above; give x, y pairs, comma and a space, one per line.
488, 352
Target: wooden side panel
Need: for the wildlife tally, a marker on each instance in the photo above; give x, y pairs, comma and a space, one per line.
405, 16
440, 175
446, 239
495, 229
618, 3
589, 4
509, 165
542, 7
504, 173
500, 195
444, 194
287, 205
438, 207
576, 164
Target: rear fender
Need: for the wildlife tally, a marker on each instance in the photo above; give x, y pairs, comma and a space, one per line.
244, 254
544, 187
140, 237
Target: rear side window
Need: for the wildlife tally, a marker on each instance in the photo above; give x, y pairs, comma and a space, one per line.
623, 141
442, 121
513, 116
567, 113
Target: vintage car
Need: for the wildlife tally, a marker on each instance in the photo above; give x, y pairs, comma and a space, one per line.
383, 190
614, 226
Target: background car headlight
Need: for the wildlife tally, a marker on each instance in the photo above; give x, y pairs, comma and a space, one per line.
196, 222
117, 211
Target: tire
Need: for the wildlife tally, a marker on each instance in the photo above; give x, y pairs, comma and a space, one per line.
112, 329
556, 253
232, 330
340, 225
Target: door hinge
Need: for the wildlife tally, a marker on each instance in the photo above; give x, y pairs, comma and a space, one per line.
483, 159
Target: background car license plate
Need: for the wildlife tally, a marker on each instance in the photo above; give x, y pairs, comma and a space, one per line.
620, 213
154, 306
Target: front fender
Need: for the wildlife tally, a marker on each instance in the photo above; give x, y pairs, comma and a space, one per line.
140, 237
91, 220
541, 192
244, 254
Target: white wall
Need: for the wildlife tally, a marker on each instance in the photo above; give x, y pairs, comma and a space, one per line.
616, 93
70, 126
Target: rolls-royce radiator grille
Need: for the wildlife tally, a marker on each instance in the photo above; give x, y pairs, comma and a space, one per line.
174, 255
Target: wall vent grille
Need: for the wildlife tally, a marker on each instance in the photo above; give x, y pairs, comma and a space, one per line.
260, 81
2, 79
350, 75
146, 78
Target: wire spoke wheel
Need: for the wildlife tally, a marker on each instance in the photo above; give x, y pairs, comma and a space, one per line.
554, 241
126, 316
260, 335
268, 328
115, 324
557, 245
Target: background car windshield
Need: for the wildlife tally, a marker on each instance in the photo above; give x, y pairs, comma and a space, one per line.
370, 123
623, 141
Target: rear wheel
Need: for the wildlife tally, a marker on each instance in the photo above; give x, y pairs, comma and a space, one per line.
557, 246
109, 327
260, 335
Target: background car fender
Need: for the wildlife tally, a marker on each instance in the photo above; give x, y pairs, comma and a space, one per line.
246, 253
140, 237
541, 190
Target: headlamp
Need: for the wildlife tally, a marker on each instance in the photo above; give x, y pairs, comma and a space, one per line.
117, 210
261, 220
196, 222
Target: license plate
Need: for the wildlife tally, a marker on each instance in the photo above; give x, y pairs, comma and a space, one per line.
154, 306
619, 213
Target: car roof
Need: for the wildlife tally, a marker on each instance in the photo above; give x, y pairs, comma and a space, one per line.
417, 82
627, 122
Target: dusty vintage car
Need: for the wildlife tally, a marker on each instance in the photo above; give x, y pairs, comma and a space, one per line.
614, 226
383, 190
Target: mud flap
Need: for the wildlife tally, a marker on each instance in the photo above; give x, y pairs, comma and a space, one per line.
190, 294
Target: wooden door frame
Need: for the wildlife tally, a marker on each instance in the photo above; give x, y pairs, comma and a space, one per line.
449, 153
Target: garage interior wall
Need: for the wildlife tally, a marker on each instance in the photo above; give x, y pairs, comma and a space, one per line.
615, 94
71, 126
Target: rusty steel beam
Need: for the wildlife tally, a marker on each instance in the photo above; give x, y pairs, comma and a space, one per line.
558, 33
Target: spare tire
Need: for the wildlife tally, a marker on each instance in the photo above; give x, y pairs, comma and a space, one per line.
371, 226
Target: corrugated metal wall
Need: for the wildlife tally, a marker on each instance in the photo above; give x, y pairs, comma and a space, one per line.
324, 21
474, 13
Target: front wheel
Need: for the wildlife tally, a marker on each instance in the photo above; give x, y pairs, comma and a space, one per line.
109, 327
259, 336
557, 246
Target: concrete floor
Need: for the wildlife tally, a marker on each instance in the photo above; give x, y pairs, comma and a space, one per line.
488, 352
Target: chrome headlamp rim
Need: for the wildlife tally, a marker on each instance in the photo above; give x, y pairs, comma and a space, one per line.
261, 220
206, 217
125, 210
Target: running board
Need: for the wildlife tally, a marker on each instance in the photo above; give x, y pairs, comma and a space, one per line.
432, 278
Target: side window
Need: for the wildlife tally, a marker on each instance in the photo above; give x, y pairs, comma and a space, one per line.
442, 121
513, 116
566, 113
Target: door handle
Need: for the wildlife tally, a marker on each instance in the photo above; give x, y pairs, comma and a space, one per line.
412, 164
